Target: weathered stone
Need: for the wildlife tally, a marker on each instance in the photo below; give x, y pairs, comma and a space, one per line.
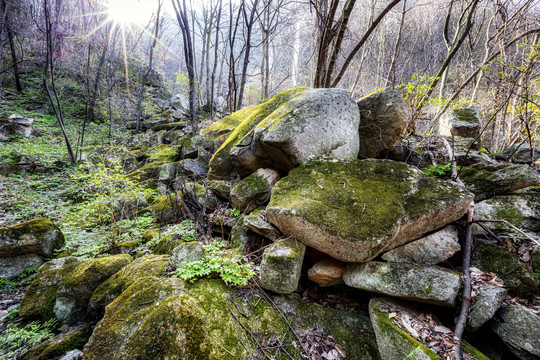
11, 267
17, 125
486, 181
517, 277
258, 223
73, 296
239, 236
430, 284
281, 266
535, 258
54, 348
39, 299
220, 188
186, 253
519, 329
327, 272
431, 249
465, 122
147, 172
253, 190
197, 193
72, 355
167, 319
354, 210
110, 289
384, 115
179, 102
486, 303
38, 237
521, 153
521, 210
397, 344
287, 130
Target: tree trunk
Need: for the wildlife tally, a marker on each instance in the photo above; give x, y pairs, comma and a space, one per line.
248, 45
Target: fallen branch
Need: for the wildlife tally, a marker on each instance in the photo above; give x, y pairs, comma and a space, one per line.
466, 303
508, 223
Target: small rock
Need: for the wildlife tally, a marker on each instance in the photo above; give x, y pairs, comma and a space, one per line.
519, 329
220, 188
384, 115
258, 223
465, 122
327, 272
521, 210
239, 236
281, 266
432, 285
521, 153
11, 267
73, 355
486, 303
186, 253
535, 258
431, 249
254, 190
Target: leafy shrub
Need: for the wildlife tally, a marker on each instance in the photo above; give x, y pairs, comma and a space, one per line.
14, 340
233, 212
438, 170
228, 265
113, 196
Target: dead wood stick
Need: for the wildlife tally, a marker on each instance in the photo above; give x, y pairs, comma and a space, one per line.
513, 227
466, 303
452, 157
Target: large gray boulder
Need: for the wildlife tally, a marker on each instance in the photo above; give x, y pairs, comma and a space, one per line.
17, 125
521, 153
521, 210
486, 180
429, 284
384, 115
73, 296
39, 299
519, 329
431, 249
287, 130
179, 102
354, 210
27, 244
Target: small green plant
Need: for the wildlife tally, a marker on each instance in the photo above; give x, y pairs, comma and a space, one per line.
14, 340
186, 230
233, 212
12, 314
537, 274
438, 170
8, 284
29, 271
226, 264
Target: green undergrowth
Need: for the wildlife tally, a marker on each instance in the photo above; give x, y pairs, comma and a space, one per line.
218, 261
14, 340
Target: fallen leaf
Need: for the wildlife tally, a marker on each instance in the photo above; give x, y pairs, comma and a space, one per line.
450, 342
443, 329
392, 315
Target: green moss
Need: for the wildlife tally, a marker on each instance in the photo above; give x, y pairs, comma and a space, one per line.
36, 227
255, 116
466, 115
163, 153
167, 244
57, 347
96, 271
229, 123
146, 172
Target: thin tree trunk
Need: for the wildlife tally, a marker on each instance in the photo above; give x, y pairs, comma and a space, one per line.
212, 87
396, 47
247, 53
7, 25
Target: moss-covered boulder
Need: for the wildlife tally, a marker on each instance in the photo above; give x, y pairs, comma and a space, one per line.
253, 190
517, 276
285, 131
38, 301
465, 122
187, 167
281, 265
196, 195
519, 329
58, 346
486, 181
426, 284
147, 172
384, 115
39, 236
168, 319
258, 223
27, 244
220, 188
110, 289
394, 342
73, 296
431, 249
167, 243
521, 153
354, 210
521, 210
164, 207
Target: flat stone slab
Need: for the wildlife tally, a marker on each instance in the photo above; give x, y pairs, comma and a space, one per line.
432, 285
354, 210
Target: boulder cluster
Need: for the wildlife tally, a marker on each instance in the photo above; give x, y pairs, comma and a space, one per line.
310, 174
